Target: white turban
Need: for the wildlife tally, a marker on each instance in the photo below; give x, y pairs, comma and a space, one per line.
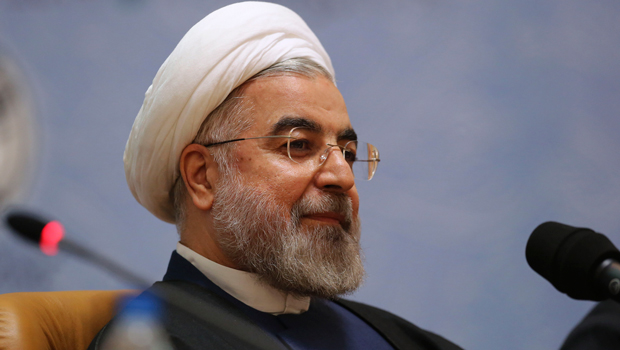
218, 54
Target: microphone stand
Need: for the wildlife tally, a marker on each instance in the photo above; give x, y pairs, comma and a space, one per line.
103, 262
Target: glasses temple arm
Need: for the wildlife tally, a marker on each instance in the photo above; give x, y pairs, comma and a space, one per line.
243, 139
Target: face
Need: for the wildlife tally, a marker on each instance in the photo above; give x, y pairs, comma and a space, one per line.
287, 100
294, 224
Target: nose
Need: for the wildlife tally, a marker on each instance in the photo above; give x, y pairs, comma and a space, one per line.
335, 174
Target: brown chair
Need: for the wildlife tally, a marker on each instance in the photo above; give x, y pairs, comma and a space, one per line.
55, 320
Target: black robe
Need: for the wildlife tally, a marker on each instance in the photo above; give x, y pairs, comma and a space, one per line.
599, 330
200, 315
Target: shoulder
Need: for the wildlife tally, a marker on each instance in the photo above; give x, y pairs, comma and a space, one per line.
398, 331
600, 329
195, 317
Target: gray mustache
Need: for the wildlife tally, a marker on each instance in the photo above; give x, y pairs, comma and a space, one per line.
332, 202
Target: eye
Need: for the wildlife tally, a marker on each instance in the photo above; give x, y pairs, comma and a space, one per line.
350, 151
300, 148
299, 145
349, 155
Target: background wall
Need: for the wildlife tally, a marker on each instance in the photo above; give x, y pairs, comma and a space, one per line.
491, 117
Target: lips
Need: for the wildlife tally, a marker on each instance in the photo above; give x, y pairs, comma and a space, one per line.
334, 209
327, 217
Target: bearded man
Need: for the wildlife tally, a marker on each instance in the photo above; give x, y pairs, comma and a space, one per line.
244, 142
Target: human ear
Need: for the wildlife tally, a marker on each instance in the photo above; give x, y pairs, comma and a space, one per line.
199, 172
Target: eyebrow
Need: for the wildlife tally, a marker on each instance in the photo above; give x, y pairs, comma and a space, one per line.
347, 134
289, 122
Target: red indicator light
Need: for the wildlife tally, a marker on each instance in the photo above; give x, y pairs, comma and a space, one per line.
51, 234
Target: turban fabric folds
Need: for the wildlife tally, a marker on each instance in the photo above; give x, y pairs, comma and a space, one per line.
218, 54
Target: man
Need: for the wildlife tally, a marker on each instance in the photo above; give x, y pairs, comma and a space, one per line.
262, 191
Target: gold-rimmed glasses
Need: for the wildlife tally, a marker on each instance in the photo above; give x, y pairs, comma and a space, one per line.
307, 147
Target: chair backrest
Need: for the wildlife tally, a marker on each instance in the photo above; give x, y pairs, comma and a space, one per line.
55, 320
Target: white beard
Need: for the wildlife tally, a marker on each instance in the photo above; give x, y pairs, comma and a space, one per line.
259, 236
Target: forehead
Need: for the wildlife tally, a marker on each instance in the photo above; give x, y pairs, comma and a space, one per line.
273, 99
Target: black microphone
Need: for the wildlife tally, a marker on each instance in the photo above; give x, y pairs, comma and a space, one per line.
577, 261
50, 236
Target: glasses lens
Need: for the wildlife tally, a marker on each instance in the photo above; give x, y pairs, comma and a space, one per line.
367, 161
302, 145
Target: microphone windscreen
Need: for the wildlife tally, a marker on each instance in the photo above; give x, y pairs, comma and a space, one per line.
568, 257
26, 225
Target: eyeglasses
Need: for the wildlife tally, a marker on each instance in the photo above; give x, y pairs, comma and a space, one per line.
306, 147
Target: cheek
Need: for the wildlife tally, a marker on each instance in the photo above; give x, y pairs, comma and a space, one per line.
277, 177
247, 161
286, 184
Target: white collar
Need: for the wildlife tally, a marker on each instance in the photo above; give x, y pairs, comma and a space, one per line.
245, 286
